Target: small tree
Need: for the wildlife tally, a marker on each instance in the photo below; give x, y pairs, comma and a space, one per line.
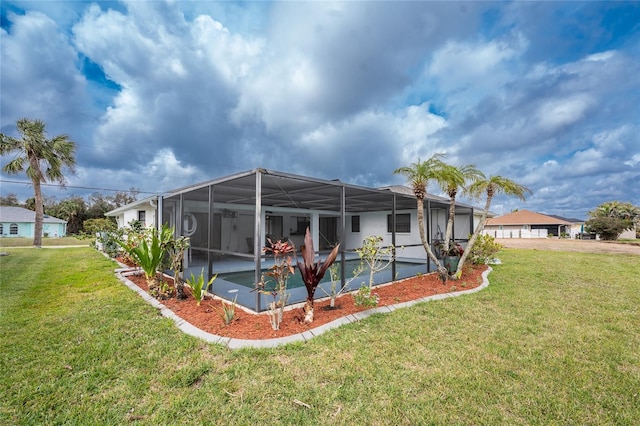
274, 281
176, 247
334, 271
377, 258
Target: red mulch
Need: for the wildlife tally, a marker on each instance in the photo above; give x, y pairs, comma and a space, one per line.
208, 316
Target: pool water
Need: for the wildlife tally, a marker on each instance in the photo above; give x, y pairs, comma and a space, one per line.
246, 278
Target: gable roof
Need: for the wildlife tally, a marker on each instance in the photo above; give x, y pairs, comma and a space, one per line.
149, 201
526, 217
20, 214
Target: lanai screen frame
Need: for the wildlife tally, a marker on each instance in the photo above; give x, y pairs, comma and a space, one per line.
262, 189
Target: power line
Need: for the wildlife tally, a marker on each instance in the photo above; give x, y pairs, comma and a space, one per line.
78, 187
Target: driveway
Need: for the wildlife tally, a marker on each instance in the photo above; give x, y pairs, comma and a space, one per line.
586, 246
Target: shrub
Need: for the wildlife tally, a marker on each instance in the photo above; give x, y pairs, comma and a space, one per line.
93, 226
229, 311
609, 228
484, 249
364, 297
148, 254
198, 289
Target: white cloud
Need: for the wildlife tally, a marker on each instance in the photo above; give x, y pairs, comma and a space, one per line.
476, 69
556, 114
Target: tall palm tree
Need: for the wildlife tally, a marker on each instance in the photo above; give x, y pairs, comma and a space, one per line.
451, 180
419, 174
43, 160
492, 186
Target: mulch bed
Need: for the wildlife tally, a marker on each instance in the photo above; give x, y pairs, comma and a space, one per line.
208, 316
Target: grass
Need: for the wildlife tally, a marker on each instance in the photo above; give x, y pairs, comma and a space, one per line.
46, 242
553, 340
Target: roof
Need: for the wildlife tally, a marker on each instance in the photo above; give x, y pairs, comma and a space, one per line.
402, 189
149, 200
526, 217
22, 215
568, 219
285, 190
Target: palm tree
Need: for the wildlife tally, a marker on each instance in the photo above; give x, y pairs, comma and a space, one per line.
451, 180
419, 174
492, 186
34, 153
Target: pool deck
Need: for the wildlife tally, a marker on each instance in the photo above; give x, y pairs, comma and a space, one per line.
233, 343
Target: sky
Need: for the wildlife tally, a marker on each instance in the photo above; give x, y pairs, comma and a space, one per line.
162, 94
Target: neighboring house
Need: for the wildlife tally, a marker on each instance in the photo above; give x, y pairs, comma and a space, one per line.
229, 220
20, 222
143, 211
526, 224
576, 229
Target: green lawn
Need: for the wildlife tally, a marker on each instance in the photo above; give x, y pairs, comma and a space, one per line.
553, 340
46, 242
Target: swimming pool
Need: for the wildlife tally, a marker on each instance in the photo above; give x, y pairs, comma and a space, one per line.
246, 278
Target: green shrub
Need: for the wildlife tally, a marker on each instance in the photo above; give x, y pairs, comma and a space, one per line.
364, 297
147, 254
484, 249
229, 311
93, 226
198, 289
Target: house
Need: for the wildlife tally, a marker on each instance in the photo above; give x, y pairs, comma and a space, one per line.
20, 222
229, 220
526, 224
143, 211
576, 227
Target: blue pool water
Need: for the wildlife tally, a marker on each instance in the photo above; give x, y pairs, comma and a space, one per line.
246, 278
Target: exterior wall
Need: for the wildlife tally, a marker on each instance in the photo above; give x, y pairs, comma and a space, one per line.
26, 229
375, 223
575, 230
628, 234
124, 218
514, 231
54, 230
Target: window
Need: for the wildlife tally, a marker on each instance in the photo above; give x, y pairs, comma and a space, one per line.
301, 225
141, 216
355, 223
1, 229
403, 223
13, 229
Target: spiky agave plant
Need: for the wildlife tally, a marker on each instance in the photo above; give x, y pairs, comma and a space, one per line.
312, 272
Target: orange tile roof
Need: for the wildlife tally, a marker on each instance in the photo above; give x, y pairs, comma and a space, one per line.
526, 217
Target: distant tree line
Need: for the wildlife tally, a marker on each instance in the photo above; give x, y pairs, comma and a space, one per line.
75, 209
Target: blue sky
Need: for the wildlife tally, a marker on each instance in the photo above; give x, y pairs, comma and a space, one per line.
158, 95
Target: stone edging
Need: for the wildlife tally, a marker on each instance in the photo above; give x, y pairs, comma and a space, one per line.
233, 343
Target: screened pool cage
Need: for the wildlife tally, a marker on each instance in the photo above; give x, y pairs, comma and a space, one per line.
229, 220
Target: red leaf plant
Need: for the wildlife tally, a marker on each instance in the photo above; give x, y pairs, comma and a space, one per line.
312, 272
